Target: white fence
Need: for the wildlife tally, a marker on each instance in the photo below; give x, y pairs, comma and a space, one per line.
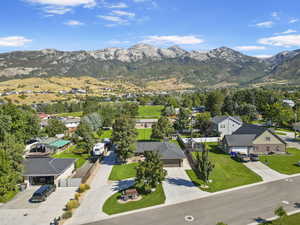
200, 140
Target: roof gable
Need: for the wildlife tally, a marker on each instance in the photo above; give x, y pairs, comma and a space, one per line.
219, 119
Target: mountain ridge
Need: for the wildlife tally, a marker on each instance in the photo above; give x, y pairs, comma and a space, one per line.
146, 62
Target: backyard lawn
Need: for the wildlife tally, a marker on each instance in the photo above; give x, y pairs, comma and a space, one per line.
123, 171
227, 173
111, 205
144, 134
73, 114
283, 163
80, 158
150, 111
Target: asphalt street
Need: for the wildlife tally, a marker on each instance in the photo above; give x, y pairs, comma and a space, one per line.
239, 207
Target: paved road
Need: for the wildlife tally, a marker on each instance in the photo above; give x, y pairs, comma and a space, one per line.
238, 207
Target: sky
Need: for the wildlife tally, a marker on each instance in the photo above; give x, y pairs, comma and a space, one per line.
259, 28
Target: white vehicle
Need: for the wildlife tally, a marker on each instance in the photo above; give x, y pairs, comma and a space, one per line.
99, 149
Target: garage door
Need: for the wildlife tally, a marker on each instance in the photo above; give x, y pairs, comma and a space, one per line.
171, 162
243, 150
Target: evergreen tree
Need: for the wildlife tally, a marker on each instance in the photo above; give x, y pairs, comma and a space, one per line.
150, 172
183, 120
54, 127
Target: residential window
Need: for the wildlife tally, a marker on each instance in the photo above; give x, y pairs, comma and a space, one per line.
268, 139
222, 126
268, 148
277, 148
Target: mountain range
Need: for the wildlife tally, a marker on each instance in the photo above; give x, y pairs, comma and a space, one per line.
142, 63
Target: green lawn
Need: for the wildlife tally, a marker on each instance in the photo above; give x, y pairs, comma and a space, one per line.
106, 134
80, 159
74, 114
283, 163
280, 133
111, 205
123, 171
289, 220
227, 173
284, 129
150, 111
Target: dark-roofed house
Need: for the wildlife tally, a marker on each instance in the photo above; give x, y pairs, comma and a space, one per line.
39, 171
170, 153
251, 138
226, 125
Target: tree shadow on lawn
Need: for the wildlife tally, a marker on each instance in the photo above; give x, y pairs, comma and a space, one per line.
217, 150
262, 221
180, 182
123, 184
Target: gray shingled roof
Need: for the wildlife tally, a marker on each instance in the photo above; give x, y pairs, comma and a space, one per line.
46, 166
238, 140
251, 129
219, 119
166, 150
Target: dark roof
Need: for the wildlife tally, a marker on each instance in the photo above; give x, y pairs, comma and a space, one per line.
166, 150
219, 119
251, 129
238, 140
46, 166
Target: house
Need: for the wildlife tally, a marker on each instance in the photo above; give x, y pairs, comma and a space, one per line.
145, 123
226, 125
71, 123
253, 139
39, 171
289, 102
170, 153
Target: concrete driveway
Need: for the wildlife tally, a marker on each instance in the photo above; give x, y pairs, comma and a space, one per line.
20, 211
179, 188
266, 173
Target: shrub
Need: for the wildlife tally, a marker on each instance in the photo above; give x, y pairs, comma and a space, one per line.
77, 196
87, 187
83, 188
67, 215
72, 204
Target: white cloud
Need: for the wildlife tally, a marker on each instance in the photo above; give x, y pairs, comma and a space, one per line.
74, 23
266, 24
174, 39
275, 15
57, 10
120, 5
281, 40
294, 20
85, 3
123, 13
250, 48
116, 19
14, 41
289, 31
263, 56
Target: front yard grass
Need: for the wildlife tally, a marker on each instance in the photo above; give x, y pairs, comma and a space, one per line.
111, 205
123, 171
286, 164
227, 173
289, 220
80, 158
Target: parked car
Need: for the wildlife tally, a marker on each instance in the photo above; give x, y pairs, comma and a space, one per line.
254, 157
42, 193
242, 157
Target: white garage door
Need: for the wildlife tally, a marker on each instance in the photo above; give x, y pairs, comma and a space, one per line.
243, 150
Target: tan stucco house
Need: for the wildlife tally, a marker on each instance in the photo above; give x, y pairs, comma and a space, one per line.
253, 139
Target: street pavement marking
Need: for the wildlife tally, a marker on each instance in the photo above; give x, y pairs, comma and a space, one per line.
285, 202
189, 218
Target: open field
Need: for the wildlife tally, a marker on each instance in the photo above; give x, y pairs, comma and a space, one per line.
150, 111
286, 164
111, 205
227, 173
